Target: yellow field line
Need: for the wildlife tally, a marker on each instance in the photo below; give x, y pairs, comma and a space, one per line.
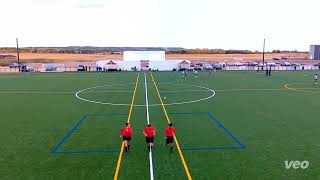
308, 88
301, 89
175, 138
129, 118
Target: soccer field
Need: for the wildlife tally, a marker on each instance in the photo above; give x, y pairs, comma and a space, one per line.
234, 125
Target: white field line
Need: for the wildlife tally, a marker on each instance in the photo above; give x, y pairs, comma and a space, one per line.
148, 119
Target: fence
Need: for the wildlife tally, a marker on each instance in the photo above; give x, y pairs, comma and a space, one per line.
228, 68
274, 68
41, 69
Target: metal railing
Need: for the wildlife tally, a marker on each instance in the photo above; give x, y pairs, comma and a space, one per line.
228, 68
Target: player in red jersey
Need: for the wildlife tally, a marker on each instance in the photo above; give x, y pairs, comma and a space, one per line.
169, 133
125, 134
149, 132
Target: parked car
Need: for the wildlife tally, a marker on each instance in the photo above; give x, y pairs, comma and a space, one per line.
208, 66
26, 68
217, 66
295, 64
253, 63
318, 64
270, 63
285, 63
82, 68
261, 64
230, 64
238, 64
222, 64
15, 65
198, 68
51, 68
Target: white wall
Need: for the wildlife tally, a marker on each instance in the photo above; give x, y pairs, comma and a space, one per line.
144, 55
153, 65
128, 65
164, 65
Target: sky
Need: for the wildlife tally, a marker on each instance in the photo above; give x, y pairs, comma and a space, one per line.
225, 24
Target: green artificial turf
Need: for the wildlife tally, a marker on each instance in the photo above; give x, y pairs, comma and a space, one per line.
272, 123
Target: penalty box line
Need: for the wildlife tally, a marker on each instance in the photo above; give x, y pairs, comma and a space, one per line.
77, 126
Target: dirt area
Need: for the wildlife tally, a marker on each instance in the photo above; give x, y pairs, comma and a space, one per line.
73, 60
208, 57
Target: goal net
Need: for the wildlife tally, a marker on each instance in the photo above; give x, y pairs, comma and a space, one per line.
53, 68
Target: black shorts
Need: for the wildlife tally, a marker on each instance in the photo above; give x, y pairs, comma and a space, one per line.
169, 139
149, 139
126, 138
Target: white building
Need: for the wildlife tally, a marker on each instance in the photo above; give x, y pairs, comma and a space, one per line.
145, 60
144, 55
314, 52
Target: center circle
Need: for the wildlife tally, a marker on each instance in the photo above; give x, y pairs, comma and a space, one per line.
212, 93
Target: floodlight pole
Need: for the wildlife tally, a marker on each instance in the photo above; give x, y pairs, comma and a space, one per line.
264, 45
18, 53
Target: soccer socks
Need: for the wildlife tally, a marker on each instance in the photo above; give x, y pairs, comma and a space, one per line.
171, 148
150, 147
126, 149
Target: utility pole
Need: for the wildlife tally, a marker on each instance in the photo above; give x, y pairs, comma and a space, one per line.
18, 54
264, 46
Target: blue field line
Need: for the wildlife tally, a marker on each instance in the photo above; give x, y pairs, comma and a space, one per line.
226, 130
86, 151
64, 139
241, 146
213, 148
69, 133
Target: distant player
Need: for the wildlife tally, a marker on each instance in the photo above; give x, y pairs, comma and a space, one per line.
169, 133
182, 74
125, 134
269, 73
195, 74
149, 132
211, 73
316, 79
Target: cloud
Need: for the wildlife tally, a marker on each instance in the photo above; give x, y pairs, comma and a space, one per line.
90, 6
